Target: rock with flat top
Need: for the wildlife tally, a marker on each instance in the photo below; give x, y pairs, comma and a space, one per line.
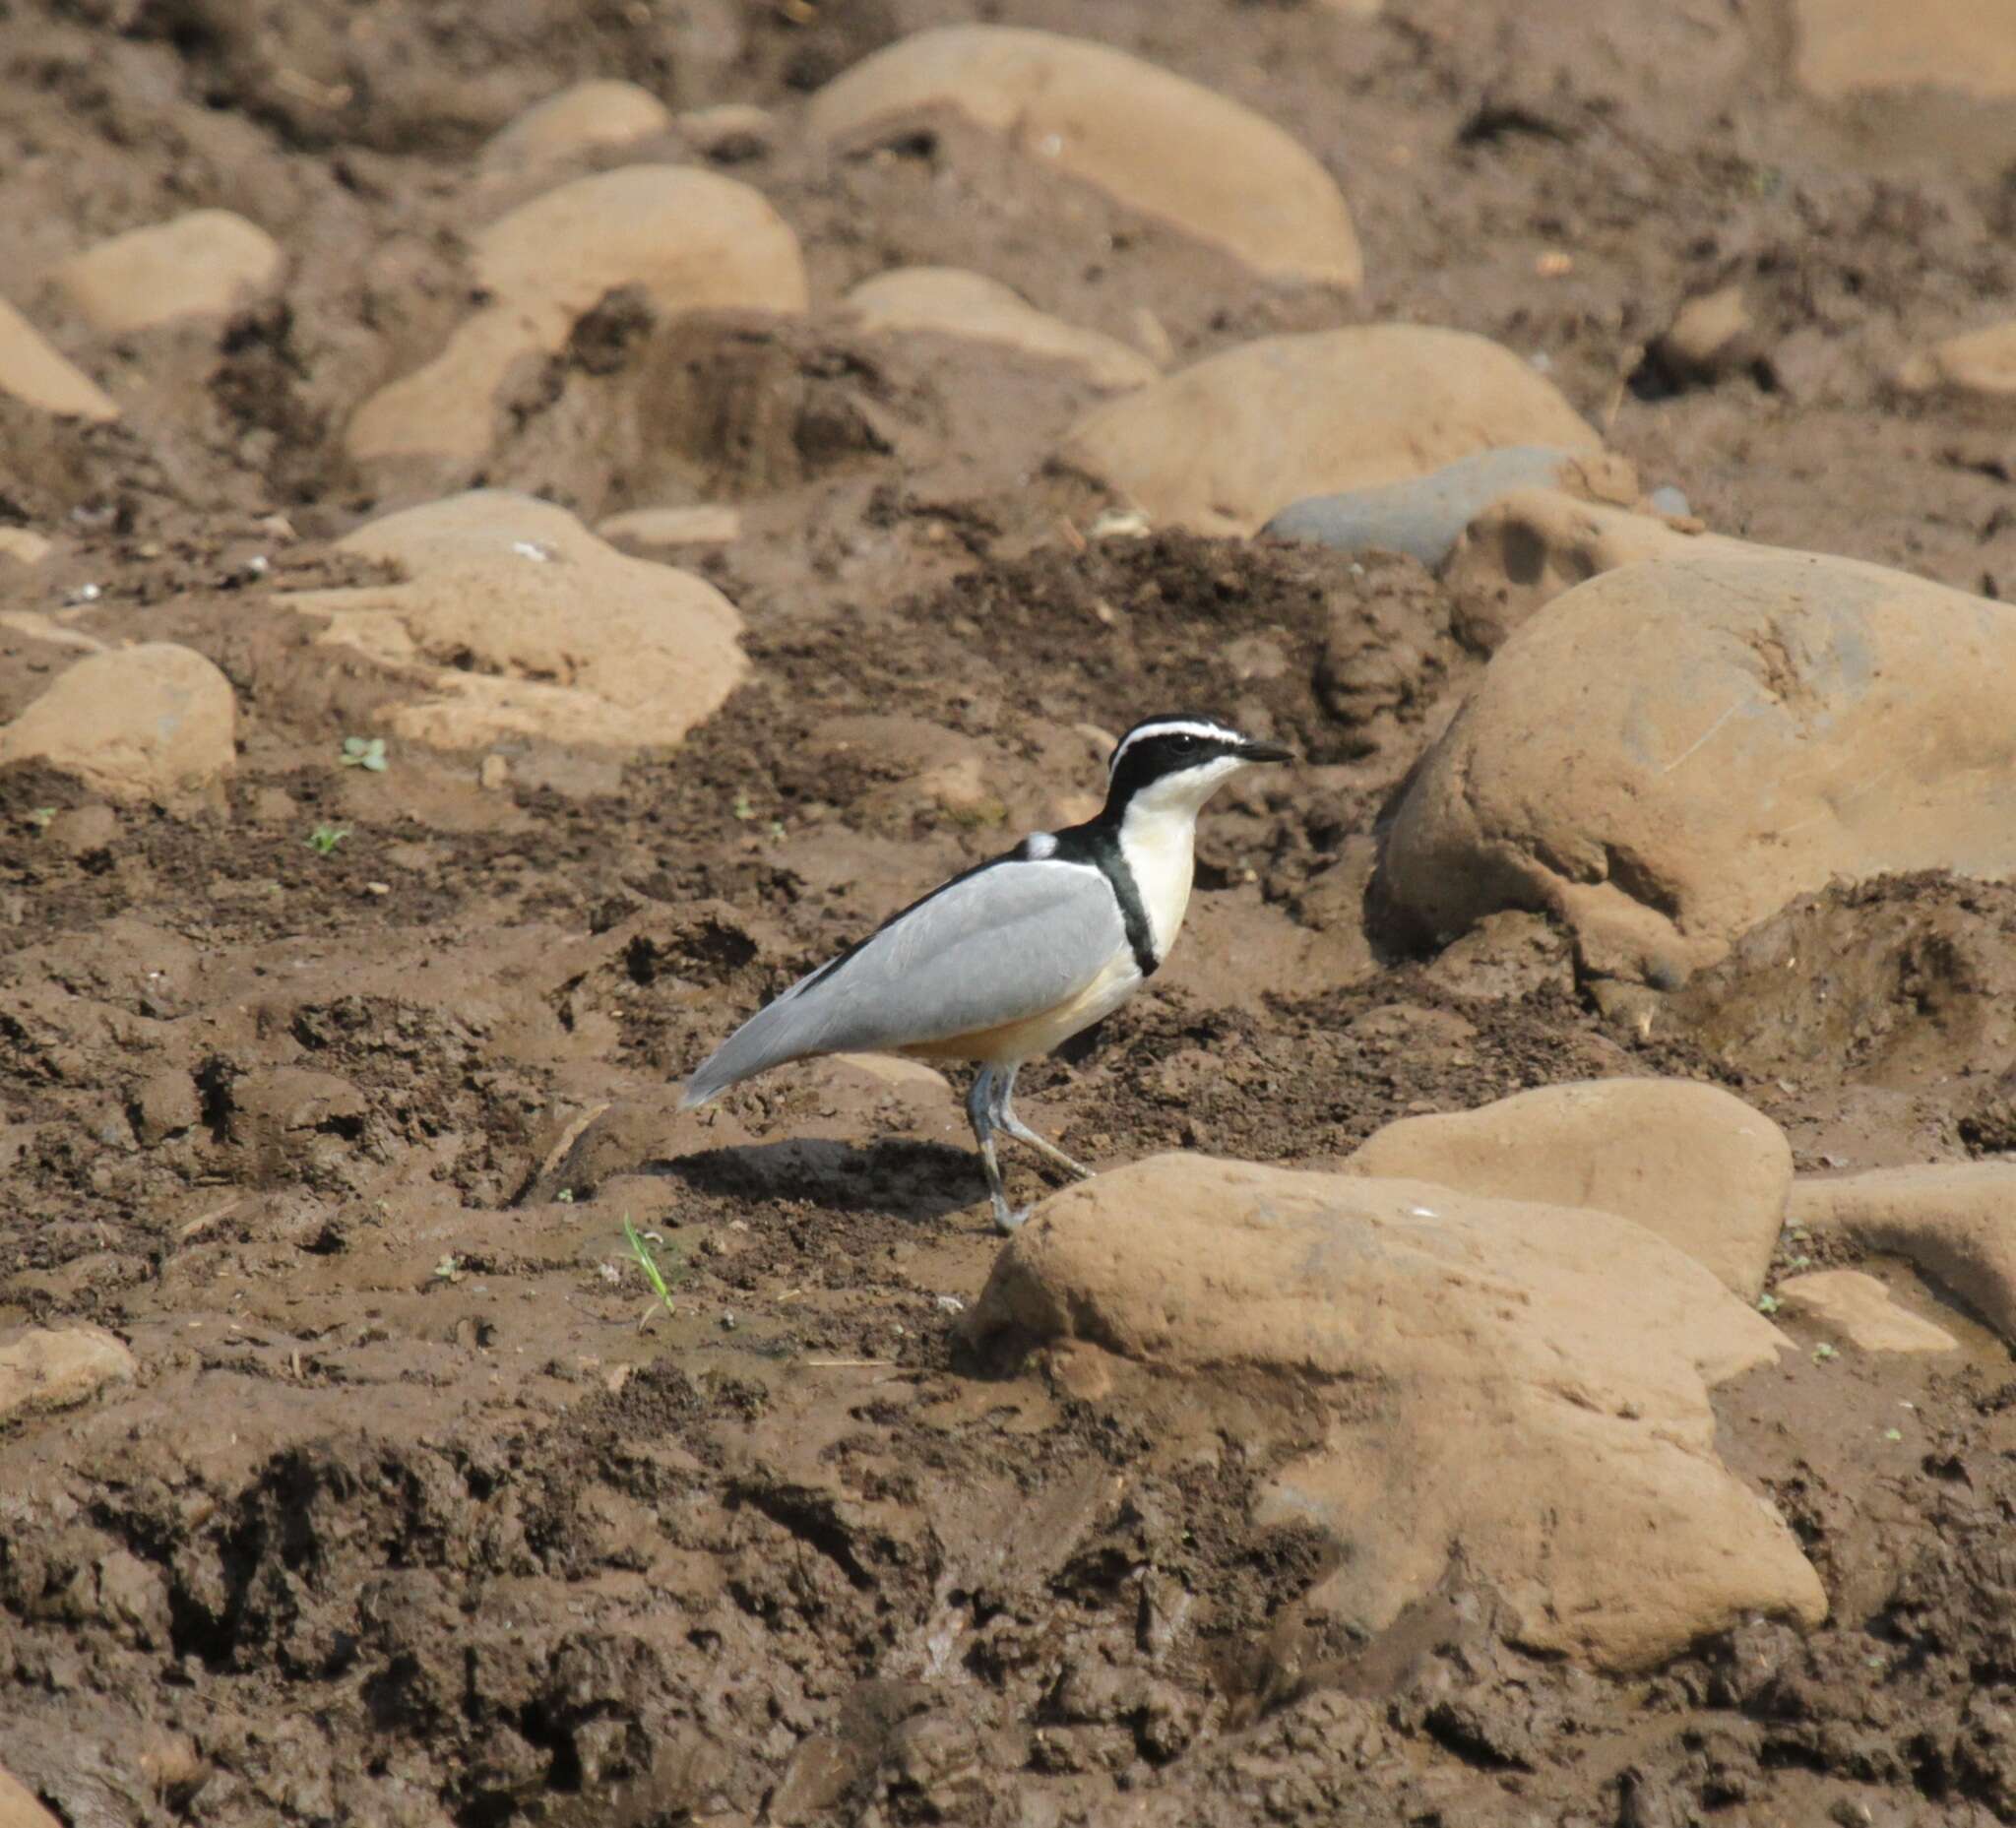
513, 620
1471, 1385
955, 303
1222, 447
584, 118
1684, 1159
1860, 1308
1162, 144
209, 263
1955, 1221
1848, 48
154, 722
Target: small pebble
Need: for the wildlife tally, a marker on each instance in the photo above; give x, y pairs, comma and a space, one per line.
1668, 500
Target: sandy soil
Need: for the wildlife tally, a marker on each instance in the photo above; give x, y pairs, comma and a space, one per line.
416, 1513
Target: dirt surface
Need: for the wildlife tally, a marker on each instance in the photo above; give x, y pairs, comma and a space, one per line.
417, 1512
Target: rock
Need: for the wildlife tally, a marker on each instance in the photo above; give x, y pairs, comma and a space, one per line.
18, 1806
166, 1105
1955, 1221
1859, 1307
1527, 549
688, 240
729, 131
1849, 47
711, 524
514, 621
209, 263
152, 722
1224, 445
281, 1099
1979, 366
1419, 1334
1424, 516
1687, 1161
1670, 502
588, 117
1165, 146
956, 303
33, 373
1670, 753
47, 1368
24, 548
1710, 336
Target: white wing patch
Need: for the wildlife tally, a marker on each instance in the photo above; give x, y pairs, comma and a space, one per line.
1038, 846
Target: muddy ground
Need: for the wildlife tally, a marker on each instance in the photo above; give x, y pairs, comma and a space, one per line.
417, 1512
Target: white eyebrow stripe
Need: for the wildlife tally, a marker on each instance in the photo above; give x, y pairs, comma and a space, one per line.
1171, 726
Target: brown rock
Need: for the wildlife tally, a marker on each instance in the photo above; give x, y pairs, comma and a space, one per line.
46, 1368
586, 117
957, 303
514, 621
24, 547
1687, 1161
18, 1806
1956, 1221
1222, 446
152, 722
33, 373
687, 239
1671, 752
166, 1105
1159, 144
1849, 47
1491, 1381
209, 263
667, 529
1529, 546
1859, 1307
1710, 334
1979, 366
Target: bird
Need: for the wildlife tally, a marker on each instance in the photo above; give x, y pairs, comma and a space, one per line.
1010, 959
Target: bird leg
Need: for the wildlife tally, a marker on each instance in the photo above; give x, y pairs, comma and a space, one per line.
979, 1112
1004, 1118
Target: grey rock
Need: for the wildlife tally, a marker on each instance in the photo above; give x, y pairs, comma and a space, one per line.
1665, 499
1425, 516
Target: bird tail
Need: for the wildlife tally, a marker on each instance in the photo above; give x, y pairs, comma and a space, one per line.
775, 1033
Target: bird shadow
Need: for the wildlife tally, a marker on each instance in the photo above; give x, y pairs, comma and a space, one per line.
897, 1176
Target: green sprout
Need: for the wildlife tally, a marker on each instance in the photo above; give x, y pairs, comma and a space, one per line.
357, 752
1893, 1434
648, 1265
744, 808
449, 1269
40, 817
1822, 1352
1768, 1304
565, 1196
324, 839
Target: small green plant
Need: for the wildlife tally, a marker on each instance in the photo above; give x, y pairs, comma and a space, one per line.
647, 1263
324, 839
364, 752
40, 817
1767, 1304
565, 1196
449, 1269
1823, 1351
744, 808
1893, 1434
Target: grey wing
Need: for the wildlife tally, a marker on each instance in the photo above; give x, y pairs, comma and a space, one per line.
1000, 945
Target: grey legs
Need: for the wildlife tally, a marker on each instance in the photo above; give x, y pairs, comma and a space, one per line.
990, 1106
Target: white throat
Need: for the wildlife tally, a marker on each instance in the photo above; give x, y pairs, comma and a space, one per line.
1159, 841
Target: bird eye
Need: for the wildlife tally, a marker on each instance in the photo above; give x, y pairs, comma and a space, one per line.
1183, 740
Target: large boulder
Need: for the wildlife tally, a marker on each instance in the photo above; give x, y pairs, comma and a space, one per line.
1224, 445
154, 722
955, 303
513, 620
1850, 46
688, 240
1495, 1385
209, 263
32, 372
1181, 153
1671, 752
1687, 1161
1955, 1221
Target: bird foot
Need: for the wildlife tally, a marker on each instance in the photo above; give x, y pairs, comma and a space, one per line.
1010, 1220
